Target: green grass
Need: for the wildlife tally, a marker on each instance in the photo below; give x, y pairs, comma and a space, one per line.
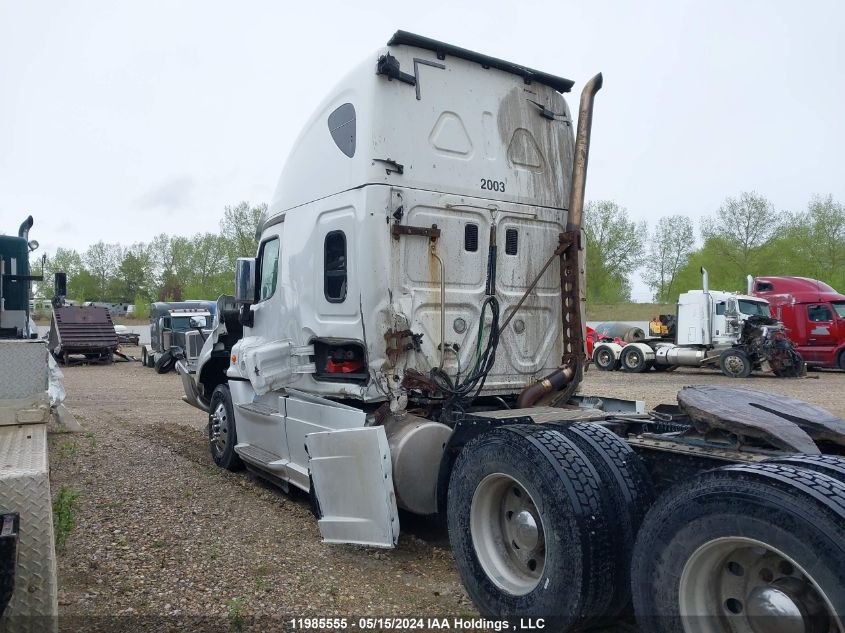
64, 515
67, 450
628, 311
233, 613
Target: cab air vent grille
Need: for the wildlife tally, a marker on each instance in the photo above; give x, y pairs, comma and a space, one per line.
511, 241
471, 238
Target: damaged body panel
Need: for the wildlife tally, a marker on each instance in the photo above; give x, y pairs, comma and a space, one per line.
353, 485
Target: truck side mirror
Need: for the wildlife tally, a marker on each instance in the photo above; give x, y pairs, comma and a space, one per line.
245, 269
197, 322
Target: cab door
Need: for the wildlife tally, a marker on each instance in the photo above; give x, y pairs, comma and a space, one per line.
821, 331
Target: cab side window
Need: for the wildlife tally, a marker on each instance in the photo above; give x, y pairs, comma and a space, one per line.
334, 271
720, 308
269, 268
819, 314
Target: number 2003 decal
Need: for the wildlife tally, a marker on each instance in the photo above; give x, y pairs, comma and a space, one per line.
493, 185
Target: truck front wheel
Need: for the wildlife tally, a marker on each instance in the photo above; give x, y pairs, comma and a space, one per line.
743, 548
528, 528
222, 434
735, 363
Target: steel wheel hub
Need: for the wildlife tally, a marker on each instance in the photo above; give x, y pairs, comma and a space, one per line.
741, 585
734, 364
604, 357
219, 422
632, 359
507, 533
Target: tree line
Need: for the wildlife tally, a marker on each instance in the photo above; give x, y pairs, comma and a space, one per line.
168, 268
745, 236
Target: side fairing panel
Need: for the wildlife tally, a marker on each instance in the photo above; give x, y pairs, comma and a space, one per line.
352, 476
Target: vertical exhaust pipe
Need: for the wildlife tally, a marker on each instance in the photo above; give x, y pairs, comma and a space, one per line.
571, 369
23, 231
749, 285
582, 153
707, 337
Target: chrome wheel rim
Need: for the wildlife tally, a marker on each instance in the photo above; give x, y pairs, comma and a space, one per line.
604, 358
742, 585
632, 360
507, 534
219, 426
734, 365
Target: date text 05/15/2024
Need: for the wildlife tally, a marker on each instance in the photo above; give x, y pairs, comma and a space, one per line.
417, 624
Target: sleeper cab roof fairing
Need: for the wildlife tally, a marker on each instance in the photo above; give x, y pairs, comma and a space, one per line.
442, 49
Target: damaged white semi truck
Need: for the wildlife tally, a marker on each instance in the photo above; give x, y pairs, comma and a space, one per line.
410, 335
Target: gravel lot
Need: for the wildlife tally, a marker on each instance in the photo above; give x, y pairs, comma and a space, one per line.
165, 537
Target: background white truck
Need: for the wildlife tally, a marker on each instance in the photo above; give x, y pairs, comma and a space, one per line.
410, 335
731, 331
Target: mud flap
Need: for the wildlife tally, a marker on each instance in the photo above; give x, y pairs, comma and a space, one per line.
352, 476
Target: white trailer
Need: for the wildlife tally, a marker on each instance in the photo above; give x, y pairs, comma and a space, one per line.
410, 335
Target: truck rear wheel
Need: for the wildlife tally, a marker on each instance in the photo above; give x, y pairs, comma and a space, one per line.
755, 547
628, 494
527, 527
841, 360
735, 363
830, 465
632, 359
222, 435
605, 359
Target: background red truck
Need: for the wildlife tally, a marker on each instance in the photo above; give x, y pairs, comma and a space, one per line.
812, 312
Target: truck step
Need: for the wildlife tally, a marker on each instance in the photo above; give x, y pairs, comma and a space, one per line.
258, 408
260, 457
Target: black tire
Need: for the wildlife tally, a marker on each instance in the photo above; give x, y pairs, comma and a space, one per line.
628, 494
604, 358
632, 359
841, 362
735, 363
165, 363
713, 544
222, 434
144, 357
574, 582
830, 465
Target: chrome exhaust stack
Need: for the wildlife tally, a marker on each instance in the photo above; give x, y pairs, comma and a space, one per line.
563, 381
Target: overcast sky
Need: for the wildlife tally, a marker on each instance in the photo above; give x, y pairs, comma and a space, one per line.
120, 120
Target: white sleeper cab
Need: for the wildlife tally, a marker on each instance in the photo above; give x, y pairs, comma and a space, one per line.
409, 336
